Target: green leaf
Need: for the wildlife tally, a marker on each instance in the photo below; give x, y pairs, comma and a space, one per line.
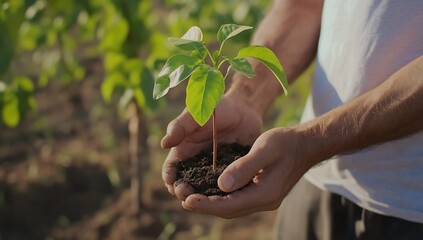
241, 65
147, 85
116, 30
25, 84
191, 41
113, 60
198, 54
161, 87
107, 88
134, 77
10, 111
204, 91
109, 84
216, 56
139, 97
193, 34
29, 35
188, 45
268, 58
132, 64
227, 31
177, 68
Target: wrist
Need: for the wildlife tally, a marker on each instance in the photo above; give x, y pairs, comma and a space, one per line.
316, 145
258, 93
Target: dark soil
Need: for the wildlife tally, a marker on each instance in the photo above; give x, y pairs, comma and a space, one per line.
198, 170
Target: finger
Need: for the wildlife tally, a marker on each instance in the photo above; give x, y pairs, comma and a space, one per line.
170, 166
183, 190
236, 204
176, 155
242, 171
178, 129
169, 175
215, 205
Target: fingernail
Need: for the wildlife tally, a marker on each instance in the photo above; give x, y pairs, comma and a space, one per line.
165, 136
228, 182
163, 141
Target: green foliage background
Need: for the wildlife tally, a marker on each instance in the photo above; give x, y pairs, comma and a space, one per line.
49, 40
57, 42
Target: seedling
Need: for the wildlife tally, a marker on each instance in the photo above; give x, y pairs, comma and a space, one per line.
206, 83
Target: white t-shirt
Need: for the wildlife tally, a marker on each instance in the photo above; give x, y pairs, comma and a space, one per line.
361, 44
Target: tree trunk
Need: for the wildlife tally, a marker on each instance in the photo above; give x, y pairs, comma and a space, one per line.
138, 154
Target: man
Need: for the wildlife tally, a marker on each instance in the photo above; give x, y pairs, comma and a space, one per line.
364, 116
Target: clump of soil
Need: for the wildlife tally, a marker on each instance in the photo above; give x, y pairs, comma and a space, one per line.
198, 170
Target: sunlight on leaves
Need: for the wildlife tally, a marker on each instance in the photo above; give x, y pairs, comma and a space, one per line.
10, 111
204, 91
113, 60
177, 68
187, 45
227, 31
241, 65
109, 84
193, 34
268, 58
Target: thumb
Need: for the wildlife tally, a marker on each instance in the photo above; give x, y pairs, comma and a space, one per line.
240, 172
178, 129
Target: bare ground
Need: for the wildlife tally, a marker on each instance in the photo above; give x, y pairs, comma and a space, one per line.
64, 174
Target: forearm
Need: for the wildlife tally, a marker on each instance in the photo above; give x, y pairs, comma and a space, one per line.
291, 30
388, 112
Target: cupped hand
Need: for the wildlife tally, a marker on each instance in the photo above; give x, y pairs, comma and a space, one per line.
235, 122
276, 162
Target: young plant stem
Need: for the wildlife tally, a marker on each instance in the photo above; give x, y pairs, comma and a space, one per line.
210, 56
215, 134
214, 142
220, 51
221, 63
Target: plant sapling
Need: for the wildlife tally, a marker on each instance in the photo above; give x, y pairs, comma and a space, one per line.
206, 82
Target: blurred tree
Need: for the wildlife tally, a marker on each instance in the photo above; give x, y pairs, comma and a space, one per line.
42, 41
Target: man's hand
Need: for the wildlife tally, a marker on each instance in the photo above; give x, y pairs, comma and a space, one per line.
275, 164
291, 29
281, 156
235, 122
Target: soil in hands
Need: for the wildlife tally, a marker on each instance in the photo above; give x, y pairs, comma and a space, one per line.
198, 170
